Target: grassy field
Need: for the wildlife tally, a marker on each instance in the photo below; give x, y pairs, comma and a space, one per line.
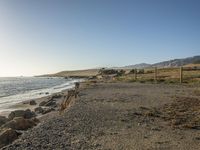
168, 75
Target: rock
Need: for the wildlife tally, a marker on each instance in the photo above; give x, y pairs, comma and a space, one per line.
39, 110
21, 113
42, 103
57, 96
21, 123
7, 136
25, 102
50, 103
47, 93
3, 120
47, 110
155, 129
35, 120
32, 102
197, 138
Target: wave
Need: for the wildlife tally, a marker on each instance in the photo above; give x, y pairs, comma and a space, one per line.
6, 102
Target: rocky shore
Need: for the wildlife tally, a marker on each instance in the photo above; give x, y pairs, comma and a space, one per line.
113, 116
27, 115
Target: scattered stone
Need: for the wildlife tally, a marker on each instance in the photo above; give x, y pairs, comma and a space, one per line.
32, 102
21, 123
155, 129
42, 103
176, 121
47, 110
21, 113
3, 120
57, 96
50, 103
39, 110
197, 138
7, 136
137, 113
25, 102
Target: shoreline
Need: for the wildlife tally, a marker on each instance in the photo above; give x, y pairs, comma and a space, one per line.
24, 104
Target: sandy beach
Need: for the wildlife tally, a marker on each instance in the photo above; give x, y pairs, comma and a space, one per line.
119, 116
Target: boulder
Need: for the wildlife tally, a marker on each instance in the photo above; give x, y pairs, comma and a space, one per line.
50, 103
39, 110
42, 103
3, 120
32, 102
21, 113
47, 110
56, 96
21, 123
7, 136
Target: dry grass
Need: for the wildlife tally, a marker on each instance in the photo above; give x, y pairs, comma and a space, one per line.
166, 75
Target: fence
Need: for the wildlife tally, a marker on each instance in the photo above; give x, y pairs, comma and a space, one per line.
176, 73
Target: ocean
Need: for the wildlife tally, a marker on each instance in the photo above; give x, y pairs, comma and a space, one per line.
17, 89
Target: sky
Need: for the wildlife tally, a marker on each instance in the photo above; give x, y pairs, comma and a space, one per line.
48, 36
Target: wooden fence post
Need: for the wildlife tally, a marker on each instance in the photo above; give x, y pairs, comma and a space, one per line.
155, 74
181, 74
135, 74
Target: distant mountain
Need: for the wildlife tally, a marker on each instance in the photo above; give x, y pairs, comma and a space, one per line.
138, 66
165, 64
177, 62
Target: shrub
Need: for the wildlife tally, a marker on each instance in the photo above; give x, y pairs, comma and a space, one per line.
132, 71
149, 71
140, 71
107, 71
121, 72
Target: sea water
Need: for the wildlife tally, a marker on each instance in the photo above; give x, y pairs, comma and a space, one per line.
17, 89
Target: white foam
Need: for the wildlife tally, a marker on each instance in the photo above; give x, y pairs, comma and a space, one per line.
6, 102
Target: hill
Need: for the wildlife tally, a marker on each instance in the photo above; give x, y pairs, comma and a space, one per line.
166, 64
177, 62
76, 73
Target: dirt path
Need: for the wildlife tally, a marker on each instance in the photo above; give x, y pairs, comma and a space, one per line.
115, 116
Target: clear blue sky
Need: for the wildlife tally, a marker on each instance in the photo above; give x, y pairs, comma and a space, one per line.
46, 36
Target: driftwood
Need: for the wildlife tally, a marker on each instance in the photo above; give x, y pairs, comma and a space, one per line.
67, 99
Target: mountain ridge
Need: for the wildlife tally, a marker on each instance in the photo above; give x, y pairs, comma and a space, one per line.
165, 64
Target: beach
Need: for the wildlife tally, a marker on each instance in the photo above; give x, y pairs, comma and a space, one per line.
120, 115
17, 92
